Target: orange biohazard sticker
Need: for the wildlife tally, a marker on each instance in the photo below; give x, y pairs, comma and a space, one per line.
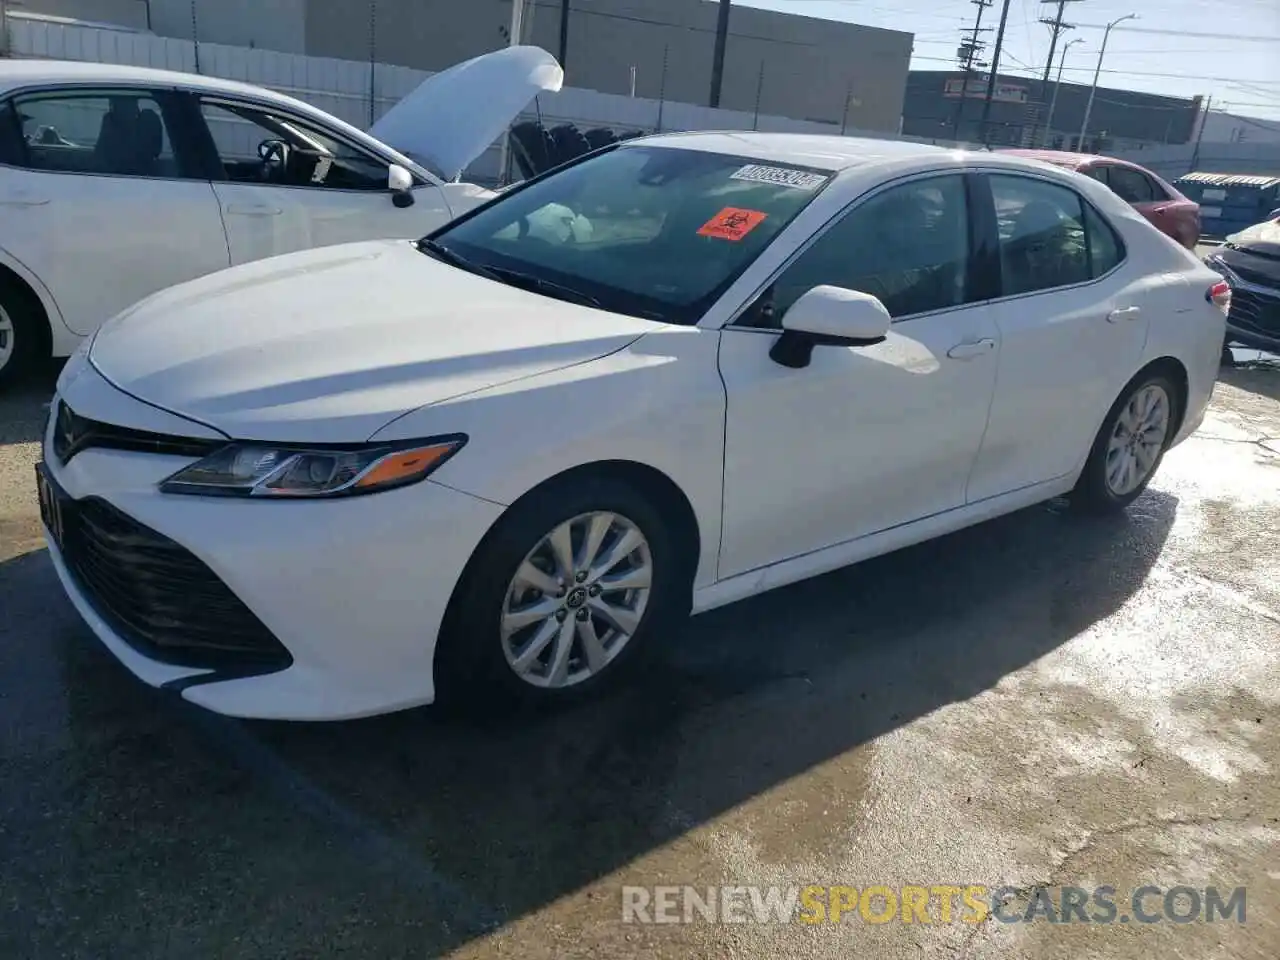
732, 223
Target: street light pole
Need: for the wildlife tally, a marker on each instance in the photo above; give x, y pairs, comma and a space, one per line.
1088, 109
1057, 85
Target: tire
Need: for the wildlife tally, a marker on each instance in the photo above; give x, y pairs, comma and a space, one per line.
1097, 492
475, 662
1228, 358
20, 322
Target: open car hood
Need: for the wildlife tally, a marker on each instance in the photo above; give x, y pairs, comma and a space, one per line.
454, 115
1262, 240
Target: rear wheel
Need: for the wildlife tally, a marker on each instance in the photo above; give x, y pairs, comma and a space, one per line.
1129, 447
565, 593
20, 320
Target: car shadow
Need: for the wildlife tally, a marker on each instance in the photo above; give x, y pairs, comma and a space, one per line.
436, 831
24, 407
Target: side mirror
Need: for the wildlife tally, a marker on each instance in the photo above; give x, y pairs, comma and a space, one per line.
831, 316
400, 183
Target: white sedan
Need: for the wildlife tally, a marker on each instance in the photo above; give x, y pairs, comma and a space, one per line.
116, 182
489, 466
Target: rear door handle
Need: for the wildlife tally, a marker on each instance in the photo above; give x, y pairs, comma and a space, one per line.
972, 349
253, 210
1124, 313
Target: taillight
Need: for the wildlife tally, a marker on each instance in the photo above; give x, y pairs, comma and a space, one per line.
1220, 296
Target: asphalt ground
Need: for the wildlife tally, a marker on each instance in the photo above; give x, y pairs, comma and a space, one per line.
1041, 701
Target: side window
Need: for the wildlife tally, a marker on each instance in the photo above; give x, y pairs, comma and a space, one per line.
1098, 173
1158, 193
1105, 248
1131, 186
1042, 234
108, 132
908, 246
257, 147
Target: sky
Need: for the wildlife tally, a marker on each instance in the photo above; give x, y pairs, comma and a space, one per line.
1227, 49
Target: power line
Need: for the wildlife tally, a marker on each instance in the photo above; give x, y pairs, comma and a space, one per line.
1251, 38
1140, 73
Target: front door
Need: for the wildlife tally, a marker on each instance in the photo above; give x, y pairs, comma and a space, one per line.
101, 206
289, 185
863, 438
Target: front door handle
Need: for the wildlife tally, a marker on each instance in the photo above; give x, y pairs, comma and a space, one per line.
972, 349
253, 210
22, 200
1124, 313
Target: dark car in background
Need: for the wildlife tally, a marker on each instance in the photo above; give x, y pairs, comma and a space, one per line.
1250, 262
1168, 210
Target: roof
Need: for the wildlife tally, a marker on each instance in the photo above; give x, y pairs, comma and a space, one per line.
1229, 180
826, 152
18, 73
1059, 158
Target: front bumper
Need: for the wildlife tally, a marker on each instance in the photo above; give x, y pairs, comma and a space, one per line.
354, 589
1254, 320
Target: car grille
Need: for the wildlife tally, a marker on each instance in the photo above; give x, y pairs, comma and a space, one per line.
159, 597
73, 433
1255, 313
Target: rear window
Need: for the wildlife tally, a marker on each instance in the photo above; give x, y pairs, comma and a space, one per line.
652, 231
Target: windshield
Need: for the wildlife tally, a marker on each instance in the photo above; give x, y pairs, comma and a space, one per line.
654, 232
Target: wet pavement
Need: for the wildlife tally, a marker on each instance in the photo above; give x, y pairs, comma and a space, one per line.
1041, 700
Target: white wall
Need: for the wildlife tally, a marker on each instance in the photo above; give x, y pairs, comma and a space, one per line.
1223, 127
1174, 160
342, 87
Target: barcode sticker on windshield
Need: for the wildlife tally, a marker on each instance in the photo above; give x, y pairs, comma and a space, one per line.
780, 176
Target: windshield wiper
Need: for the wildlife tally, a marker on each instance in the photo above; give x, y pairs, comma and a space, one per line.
455, 259
550, 288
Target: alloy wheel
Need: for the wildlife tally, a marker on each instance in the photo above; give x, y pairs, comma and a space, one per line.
576, 600
6, 338
1137, 439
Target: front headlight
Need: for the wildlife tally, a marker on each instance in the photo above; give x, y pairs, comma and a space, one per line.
249, 469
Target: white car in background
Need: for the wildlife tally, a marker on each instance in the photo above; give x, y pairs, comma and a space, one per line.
490, 466
116, 181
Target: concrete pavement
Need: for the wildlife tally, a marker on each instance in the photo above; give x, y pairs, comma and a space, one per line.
1041, 700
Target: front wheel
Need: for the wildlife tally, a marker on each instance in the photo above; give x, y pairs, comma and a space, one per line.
1129, 447
565, 592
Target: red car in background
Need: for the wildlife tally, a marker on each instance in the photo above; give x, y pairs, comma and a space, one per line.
1169, 211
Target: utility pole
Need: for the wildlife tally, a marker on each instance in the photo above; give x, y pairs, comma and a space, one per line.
968, 51
717, 62
991, 80
1088, 107
1062, 61
564, 32
1056, 28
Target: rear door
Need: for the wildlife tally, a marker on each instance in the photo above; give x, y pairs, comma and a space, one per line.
1073, 325
1170, 215
105, 202
284, 184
